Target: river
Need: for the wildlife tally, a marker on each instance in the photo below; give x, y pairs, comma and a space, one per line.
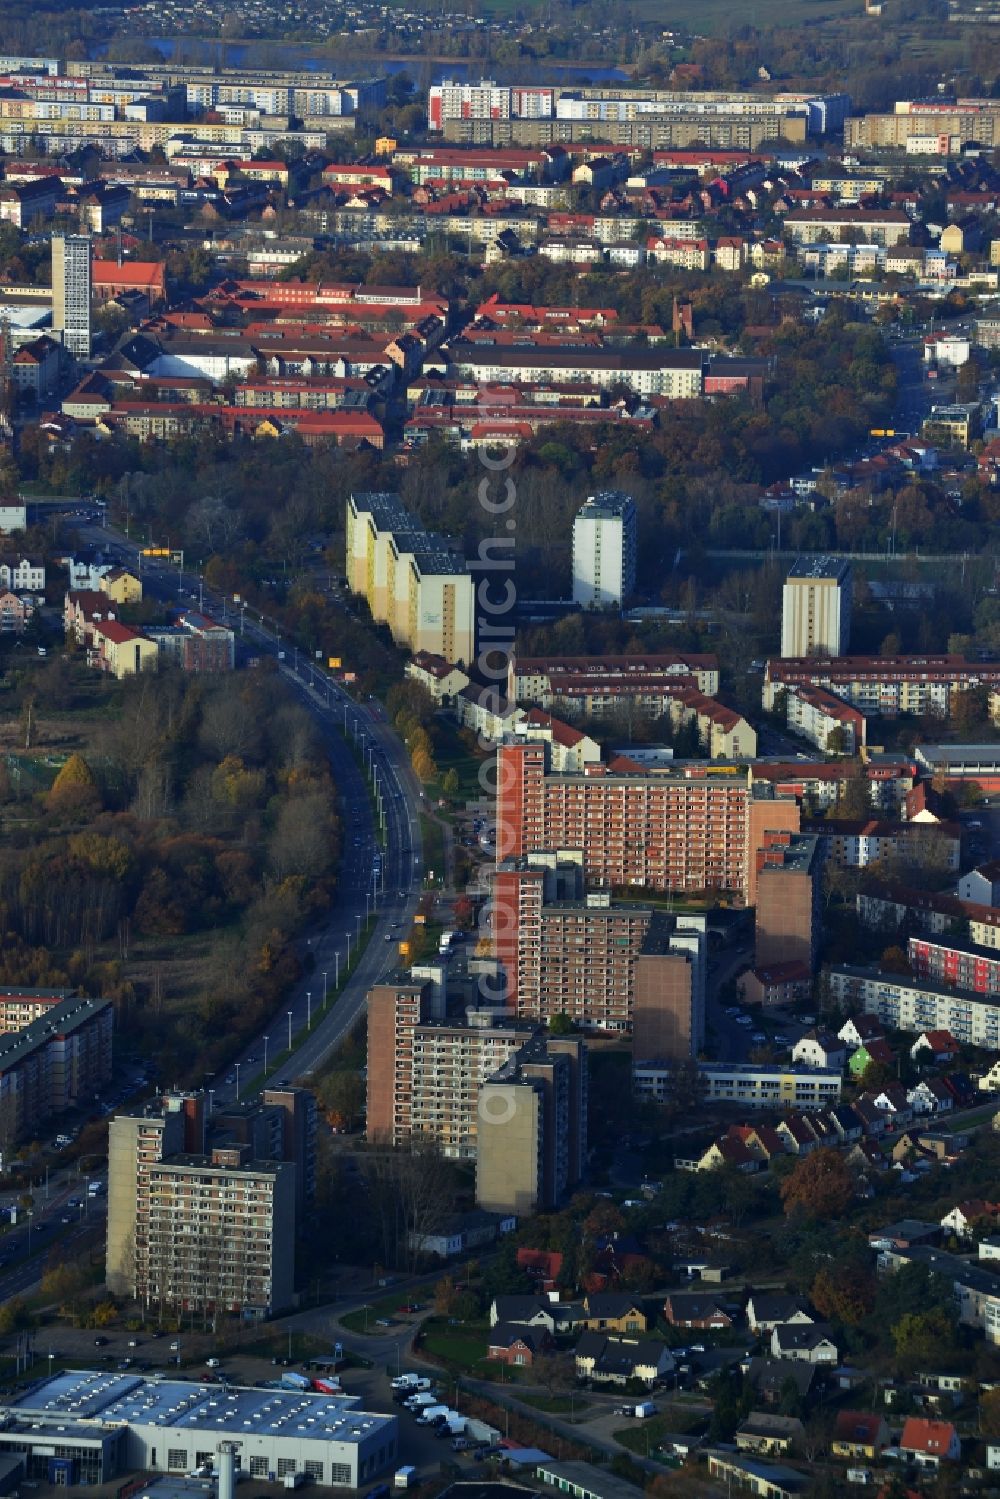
292, 55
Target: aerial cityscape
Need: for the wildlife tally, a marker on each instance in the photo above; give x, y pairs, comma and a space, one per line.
500, 764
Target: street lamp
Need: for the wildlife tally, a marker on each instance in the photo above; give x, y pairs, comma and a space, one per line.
237, 1079
336, 959
289, 1030
325, 977
358, 920
266, 1040
309, 1010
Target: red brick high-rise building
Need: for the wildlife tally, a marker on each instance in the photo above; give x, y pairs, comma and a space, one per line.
692, 828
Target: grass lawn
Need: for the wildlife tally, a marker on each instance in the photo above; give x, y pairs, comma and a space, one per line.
433, 841
364, 1319
556, 1405
451, 753
969, 1121
301, 1346
462, 1347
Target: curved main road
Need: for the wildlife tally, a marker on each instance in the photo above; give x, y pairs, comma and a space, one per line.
377, 880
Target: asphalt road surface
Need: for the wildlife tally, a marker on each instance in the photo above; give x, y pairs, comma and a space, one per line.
381, 880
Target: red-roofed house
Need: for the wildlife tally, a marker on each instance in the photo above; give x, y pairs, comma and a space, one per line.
569, 749
930, 1442
859, 1434
934, 1046
543, 1265
122, 651
775, 984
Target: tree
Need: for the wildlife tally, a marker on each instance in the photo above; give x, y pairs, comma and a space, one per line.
844, 1293
820, 1186
74, 792
894, 960
341, 1096
555, 1372
921, 1338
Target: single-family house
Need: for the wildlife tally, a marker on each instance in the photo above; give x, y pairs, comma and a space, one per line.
819, 1048
930, 1443
767, 1310
613, 1311
543, 1266
873, 1120
934, 1046
861, 1029
905, 1233
798, 1134
811, 1342
768, 1378
121, 586
523, 1311
893, 1102
931, 1096
517, 1346
617, 1360
846, 1122
859, 1434
693, 1309
961, 1220
877, 1052
769, 1434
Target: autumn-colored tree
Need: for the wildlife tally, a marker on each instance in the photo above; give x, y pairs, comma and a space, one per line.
820, 1186
74, 792
445, 1296
894, 960
844, 1294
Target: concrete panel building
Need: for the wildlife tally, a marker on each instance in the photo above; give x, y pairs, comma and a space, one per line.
413, 581
605, 965
605, 543
688, 828
816, 608
71, 291
532, 1127
54, 1059
788, 896
202, 1209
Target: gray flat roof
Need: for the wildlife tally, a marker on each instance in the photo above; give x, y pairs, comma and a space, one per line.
833, 568
110, 1399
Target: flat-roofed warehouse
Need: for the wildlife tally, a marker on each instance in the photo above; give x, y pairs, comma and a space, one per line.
96, 1426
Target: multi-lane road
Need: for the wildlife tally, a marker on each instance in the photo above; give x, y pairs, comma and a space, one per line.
381, 873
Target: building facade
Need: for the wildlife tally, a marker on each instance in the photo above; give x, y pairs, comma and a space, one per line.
605, 543
412, 580
816, 608
71, 291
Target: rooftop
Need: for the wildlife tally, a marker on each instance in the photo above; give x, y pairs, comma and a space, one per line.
110, 1399
829, 569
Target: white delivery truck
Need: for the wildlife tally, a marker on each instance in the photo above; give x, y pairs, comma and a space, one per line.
405, 1477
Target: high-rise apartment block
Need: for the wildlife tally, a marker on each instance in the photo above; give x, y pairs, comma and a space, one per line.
816, 608
55, 1053
413, 580
788, 895
606, 966
485, 100
429, 1076
692, 828
202, 1208
532, 1134
71, 291
605, 542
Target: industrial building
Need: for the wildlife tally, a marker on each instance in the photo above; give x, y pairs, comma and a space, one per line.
87, 1427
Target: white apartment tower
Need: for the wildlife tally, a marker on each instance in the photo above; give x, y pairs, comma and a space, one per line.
71, 290
604, 550
816, 608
